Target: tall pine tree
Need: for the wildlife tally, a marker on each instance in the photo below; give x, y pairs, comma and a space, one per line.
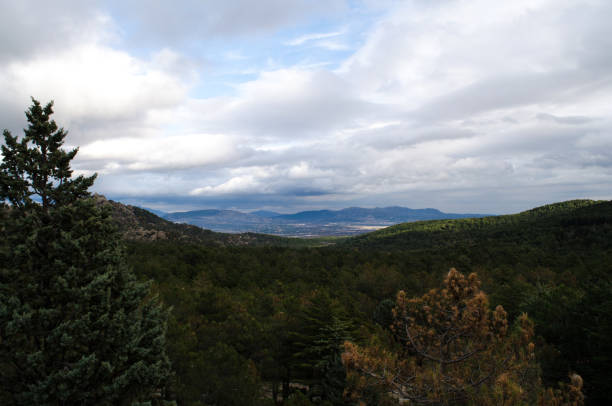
76, 327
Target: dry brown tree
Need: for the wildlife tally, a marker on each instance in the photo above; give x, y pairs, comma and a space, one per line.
455, 350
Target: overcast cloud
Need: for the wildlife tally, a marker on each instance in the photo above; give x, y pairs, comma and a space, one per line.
473, 106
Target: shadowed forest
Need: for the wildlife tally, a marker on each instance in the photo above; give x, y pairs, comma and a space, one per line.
253, 319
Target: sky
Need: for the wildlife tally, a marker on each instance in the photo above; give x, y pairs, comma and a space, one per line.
461, 105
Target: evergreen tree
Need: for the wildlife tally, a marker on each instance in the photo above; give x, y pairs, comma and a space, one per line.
76, 327
317, 346
454, 350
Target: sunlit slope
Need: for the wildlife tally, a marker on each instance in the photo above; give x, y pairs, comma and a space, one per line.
538, 226
137, 224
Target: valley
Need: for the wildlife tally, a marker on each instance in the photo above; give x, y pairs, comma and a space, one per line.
308, 224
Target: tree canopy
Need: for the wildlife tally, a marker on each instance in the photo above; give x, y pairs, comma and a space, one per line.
453, 350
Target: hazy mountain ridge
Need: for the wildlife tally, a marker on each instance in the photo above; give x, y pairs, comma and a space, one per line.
349, 221
139, 224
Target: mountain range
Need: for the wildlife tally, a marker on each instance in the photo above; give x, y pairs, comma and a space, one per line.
137, 224
349, 221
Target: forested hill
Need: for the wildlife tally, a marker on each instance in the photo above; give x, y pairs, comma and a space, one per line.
570, 220
531, 225
243, 313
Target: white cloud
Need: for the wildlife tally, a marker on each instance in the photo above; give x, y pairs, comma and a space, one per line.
289, 104
239, 184
31, 27
303, 170
95, 88
166, 153
241, 181
442, 104
310, 37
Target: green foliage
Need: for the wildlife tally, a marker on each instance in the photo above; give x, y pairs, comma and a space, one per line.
576, 323
256, 299
228, 378
316, 341
76, 327
383, 315
532, 226
298, 399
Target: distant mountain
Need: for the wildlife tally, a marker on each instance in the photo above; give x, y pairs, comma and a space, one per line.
139, 224
349, 221
155, 211
227, 221
265, 213
385, 215
211, 215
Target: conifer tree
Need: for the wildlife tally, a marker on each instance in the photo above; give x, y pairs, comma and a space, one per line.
76, 327
317, 344
454, 350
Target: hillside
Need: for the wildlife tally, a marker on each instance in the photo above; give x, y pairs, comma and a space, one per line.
137, 224
249, 303
533, 225
562, 220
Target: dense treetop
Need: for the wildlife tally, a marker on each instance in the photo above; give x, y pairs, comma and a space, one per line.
76, 327
553, 263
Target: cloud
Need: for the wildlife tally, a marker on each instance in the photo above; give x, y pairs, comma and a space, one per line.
310, 37
236, 185
292, 103
430, 51
506, 92
162, 153
96, 89
570, 120
456, 104
274, 179
30, 27
303, 170
168, 24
